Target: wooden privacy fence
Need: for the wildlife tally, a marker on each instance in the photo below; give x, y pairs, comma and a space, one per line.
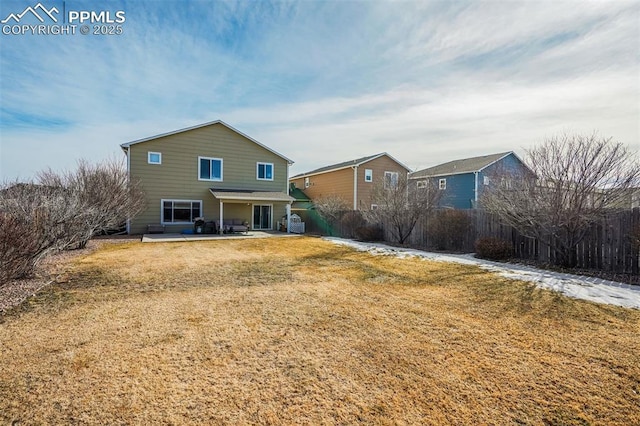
610, 245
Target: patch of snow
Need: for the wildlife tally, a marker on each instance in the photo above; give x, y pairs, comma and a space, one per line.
588, 288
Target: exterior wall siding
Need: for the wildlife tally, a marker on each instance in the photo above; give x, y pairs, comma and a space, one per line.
177, 176
378, 166
460, 191
340, 182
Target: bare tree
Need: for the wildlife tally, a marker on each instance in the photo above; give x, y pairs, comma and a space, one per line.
331, 208
577, 180
400, 204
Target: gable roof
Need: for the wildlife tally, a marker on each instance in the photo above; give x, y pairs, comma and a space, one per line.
210, 123
466, 165
347, 164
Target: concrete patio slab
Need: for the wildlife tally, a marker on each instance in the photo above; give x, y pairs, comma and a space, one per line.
164, 238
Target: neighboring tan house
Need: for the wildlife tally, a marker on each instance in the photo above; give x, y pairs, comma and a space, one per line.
462, 181
352, 180
209, 171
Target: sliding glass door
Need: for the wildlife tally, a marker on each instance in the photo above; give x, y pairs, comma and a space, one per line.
262, 217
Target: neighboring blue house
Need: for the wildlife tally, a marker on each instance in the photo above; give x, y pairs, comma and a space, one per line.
462, 181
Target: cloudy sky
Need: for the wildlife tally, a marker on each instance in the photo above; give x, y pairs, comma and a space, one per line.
322, 81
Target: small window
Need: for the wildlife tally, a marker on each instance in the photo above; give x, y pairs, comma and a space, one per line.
180, 211
442, 184
209, 168
306, 182
486, 180
154, 157
368, 175
390, 180
421, 184
374, 207
265, 171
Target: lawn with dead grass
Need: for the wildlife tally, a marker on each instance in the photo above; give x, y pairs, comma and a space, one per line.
300, 331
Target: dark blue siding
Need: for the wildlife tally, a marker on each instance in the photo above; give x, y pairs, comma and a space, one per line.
460, 191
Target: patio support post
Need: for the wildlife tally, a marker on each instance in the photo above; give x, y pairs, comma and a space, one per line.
288, 208
221, 218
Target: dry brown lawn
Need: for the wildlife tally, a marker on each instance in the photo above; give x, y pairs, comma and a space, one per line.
300, 331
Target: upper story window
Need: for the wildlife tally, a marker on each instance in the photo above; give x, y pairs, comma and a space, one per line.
421, 184
390, 180
368, 175
209, 168
265, 171
307, 183
154, 157
442, 184
486, 180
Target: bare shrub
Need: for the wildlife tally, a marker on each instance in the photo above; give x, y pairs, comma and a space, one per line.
369, 233
493, 249
351, 221
103, 195
18, 248
449, 229
331, 209
62, 211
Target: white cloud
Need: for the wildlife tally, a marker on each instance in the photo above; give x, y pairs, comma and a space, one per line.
322, 82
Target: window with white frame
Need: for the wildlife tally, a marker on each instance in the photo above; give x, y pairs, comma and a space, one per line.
154, 157
209, 168
307, 183
180, 211
265, 171
442, 184
486, 180
368, 175
390, 180
421, 184
374, 207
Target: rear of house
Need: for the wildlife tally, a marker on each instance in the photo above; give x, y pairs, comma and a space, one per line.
353, 181
463, 181
209, 171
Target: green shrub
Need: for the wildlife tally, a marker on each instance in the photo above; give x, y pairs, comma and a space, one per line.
493, 249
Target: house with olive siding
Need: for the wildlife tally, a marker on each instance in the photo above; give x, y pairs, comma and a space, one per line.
210, 171
353, 180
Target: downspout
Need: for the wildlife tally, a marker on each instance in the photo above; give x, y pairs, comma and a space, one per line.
355, 187
288, 206
129, 181
475, 199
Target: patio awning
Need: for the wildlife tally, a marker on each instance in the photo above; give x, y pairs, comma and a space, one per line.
236, 195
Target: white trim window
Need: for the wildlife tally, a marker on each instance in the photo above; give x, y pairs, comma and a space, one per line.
486, 180
442, 184
374, 207
390, 180
210, 169
154, 157
179, 211
264, 171
421, 184
307, 183
368, 175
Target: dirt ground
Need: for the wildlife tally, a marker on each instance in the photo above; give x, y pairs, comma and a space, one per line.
300, 331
